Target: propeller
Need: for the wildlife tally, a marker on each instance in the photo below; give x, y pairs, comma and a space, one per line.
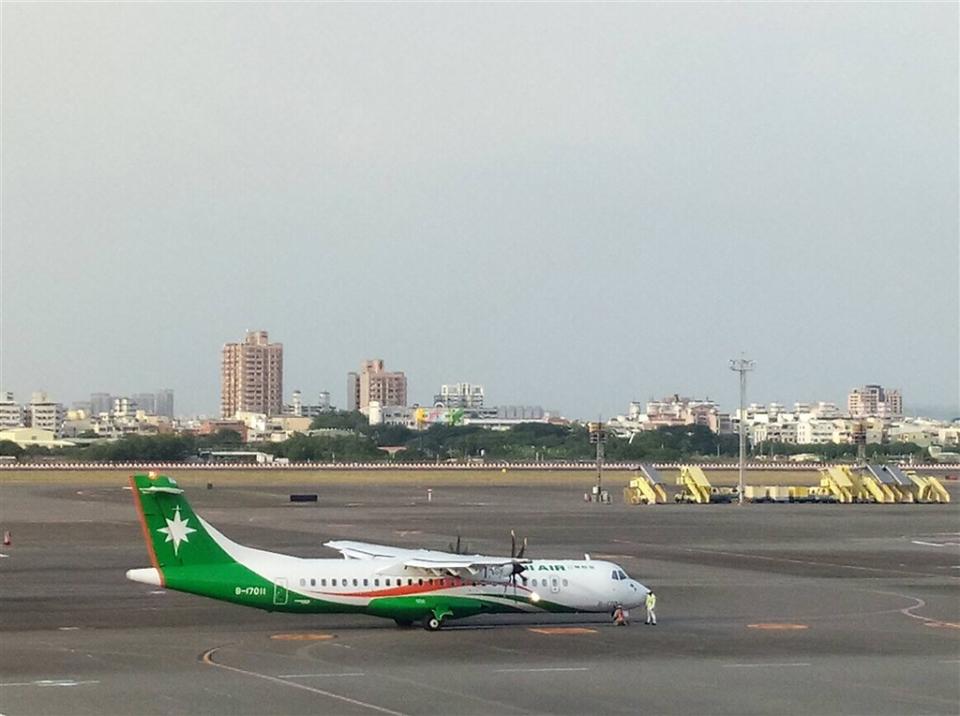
457, 548
517, 567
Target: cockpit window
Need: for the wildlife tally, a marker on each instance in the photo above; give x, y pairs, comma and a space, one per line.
615, 575
623, 574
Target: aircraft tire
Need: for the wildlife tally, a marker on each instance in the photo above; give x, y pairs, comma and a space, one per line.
431, 623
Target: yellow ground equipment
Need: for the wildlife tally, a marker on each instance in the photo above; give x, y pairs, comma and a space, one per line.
880, 483
927, 488
875, 485
836, 481
697, 488
646, 488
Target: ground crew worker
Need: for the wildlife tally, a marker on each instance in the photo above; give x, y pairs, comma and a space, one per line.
651, 603
620, 616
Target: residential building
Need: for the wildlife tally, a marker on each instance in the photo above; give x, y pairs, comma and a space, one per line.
459, 395
251, 376
375, 384
45, 414
874, 401
11, 413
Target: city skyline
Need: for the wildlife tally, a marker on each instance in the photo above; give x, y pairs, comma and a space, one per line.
843, 405
573, 205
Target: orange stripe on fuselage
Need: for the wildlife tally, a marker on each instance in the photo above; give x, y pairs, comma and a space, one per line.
146, 531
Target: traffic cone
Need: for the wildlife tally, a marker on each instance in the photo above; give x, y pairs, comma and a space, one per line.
7, 538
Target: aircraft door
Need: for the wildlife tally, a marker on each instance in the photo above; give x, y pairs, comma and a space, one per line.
279, 591
554, 584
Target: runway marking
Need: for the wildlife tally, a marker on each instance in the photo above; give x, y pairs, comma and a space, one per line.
919, 604
543, 670
70, 628
562, 630
207, 658
760, 666
3, 556
49, 682
311, 676
935, 544
778, 627
304, 636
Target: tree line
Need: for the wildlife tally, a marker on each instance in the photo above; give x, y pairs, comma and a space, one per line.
348, 437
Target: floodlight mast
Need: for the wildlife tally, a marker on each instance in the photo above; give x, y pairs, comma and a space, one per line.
742, 366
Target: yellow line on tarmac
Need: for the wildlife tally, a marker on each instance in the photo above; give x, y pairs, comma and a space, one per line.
207, 658
563, 630
303, 636
777, 627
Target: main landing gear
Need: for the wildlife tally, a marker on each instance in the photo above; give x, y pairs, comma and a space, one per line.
432, 623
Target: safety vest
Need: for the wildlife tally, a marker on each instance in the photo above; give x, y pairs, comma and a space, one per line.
651, 600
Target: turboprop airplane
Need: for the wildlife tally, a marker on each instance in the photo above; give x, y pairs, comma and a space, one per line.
406, 585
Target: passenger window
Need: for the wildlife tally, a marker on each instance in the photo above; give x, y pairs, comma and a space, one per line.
323, 582
366, 583
420, 582
354, 582
303, 582
410, 582
376, 582
387, 582
313, 581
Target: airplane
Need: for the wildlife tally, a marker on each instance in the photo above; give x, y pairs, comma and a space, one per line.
406, 585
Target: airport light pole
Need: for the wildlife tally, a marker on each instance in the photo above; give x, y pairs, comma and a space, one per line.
742, 366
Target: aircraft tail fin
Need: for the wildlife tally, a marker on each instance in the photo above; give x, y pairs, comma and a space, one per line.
175, 535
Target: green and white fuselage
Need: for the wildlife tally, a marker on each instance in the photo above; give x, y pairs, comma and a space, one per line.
190, 555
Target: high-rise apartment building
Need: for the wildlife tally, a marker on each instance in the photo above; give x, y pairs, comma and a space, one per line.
251, 376
147, 402
874, 401
374, 384
164, 403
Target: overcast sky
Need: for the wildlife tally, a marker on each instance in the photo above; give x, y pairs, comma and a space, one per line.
574, 205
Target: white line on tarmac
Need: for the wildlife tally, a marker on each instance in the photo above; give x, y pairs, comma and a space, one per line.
533, 671
310, 676
758, 666
207, 658
49, 682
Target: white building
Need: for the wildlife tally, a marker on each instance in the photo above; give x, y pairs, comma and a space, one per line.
11, 413
459, 395
45, 414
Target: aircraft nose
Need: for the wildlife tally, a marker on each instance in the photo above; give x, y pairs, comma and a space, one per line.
637, 593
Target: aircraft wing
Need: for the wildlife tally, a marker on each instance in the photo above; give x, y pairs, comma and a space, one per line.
365, 550
436, 562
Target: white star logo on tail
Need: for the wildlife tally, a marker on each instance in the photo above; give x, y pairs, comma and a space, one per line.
176, 531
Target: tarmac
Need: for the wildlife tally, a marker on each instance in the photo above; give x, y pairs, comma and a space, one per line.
763, 609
